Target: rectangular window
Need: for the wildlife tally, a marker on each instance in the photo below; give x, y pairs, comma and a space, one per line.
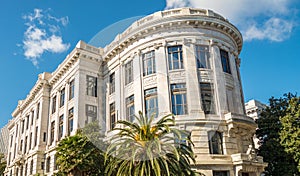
52, 132
179, 102
23, 126
175, 57
36, 135
30, 140
11, 140
202, 56
151, 103
128, 73
71, 89
44, 137
207, 97
21, 146
25, 145
62, 97
215, 142
53, 104
32, 117
112, 83
48, 164
70, 120
31, 167
220, 173
225, 61
38, 111
149, 66
112, 111
130, 108
27, 122
91, 86
91, 113
61, 127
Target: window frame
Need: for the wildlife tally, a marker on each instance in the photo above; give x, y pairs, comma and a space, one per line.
91, 85
200, 61
149, 65
71, 89
207, 89
215, 142
178, 91
62, 97
225, 60
150, 96
112, 82
112, 115
130, 109
128, 72
172, 51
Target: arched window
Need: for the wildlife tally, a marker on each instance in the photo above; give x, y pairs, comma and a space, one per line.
215, 142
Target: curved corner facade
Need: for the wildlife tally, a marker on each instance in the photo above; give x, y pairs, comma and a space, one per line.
182, 61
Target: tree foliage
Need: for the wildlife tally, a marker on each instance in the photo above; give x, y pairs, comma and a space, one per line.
77, 155
2, 163
290, 133
269, 126
146, 148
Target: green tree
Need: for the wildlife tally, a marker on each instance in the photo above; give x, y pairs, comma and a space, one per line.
2, 163
146, 148
76, 155
290, 133
269, 125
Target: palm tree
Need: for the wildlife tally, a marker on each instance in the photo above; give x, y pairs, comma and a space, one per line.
146, 148
2, 163
76, 155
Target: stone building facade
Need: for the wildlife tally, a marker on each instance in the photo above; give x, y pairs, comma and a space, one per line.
182, 61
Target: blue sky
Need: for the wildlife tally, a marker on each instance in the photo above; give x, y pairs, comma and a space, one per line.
37, 35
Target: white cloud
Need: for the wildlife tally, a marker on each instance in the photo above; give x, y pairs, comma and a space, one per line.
248, 14
42, 35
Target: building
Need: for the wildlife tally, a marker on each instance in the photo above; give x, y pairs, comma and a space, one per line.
254, 108
4, 140
183, 61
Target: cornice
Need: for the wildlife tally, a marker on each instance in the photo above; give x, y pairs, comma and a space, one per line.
175, 18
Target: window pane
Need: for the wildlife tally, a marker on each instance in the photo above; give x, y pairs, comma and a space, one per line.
128, 73
179, 103
130, 108
225, 61
207, 96
91, 86
149, 63
215, 142
175, 57
112, 115
71, 90
112, 83
151, 103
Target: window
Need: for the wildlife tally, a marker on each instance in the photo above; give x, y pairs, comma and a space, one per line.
27, 122
32, 117
61, 127
175, 57
207, 97
70, 120
179, 103
44, 137
149, 66
26, 169
52, 132
37, 110
21, 146
130, 108
53, 104
112, 111
31, 167
36, 135
62, 97
202, 56
48, 164
245, 174
112, 83
71, 89
91, 86
128, 73
215, 142
23, 126
21, 171
30, 139
220, 173
25, 145
54, 162
11, 140
225, 61
151, 103
91, 113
